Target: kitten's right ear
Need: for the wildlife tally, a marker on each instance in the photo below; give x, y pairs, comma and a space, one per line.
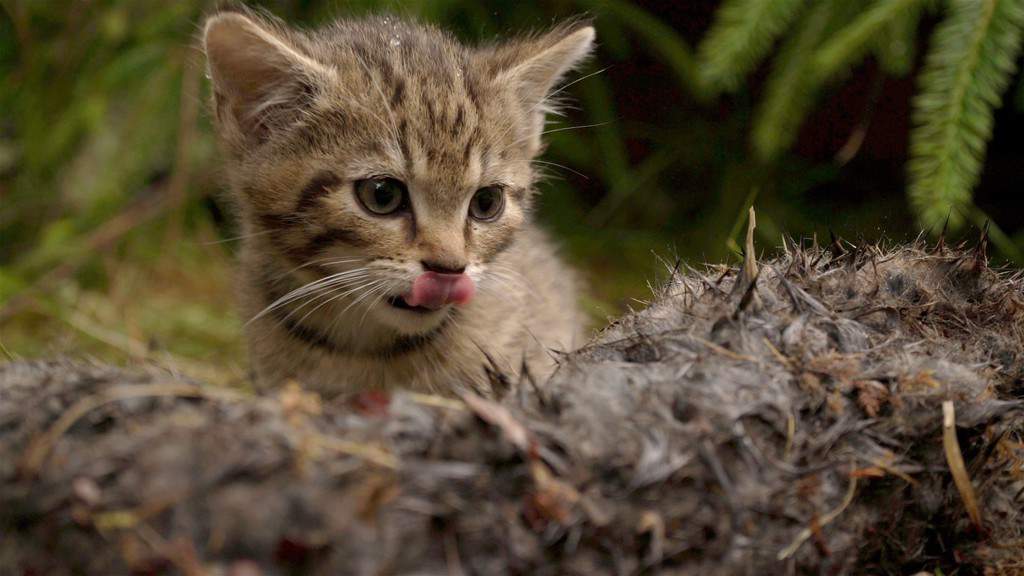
261, 79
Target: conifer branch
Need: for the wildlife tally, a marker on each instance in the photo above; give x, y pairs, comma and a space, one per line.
740, 38
895, 46
971, 59
848, 47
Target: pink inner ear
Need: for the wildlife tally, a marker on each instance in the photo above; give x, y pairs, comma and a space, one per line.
433, 290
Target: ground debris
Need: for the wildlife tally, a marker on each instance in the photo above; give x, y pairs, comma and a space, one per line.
784, 416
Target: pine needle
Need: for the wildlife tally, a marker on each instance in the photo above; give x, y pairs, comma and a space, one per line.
971, 60
740, 38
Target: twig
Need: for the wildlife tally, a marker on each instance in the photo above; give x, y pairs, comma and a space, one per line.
806, 533
368, 452
955, 459
436, 401
725, 351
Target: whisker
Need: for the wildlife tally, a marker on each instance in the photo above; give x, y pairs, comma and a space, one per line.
565, 86
562, 166
326, 291
361, 298
564, 128
324, 261
553, 130
509, 276
327, 282
305, 289
342, 295
235, 238
383, 292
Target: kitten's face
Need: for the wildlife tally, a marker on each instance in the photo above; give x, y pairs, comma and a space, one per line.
384, 155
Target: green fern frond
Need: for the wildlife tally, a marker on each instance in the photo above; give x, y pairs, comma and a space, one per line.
792, 84
971, 59
742, 35
895, 47
848, 47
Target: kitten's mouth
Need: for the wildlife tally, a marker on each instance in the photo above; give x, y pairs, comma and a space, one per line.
432, 291
400, 303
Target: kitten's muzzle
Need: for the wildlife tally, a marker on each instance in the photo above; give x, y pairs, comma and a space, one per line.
434, 290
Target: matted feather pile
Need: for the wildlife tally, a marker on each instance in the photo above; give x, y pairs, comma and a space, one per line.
840, 410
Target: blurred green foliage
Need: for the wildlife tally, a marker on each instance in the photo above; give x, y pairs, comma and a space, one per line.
116, 240
971, 59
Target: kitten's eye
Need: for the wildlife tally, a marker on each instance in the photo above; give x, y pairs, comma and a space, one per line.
487, 203
381, 195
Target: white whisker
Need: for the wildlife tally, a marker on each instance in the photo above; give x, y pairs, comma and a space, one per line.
326, 291
383, 291
562, 166
342, 295
236, 238
306, 289
563, 88
564, 128
322, 261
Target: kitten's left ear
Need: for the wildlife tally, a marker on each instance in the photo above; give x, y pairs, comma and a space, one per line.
534, 66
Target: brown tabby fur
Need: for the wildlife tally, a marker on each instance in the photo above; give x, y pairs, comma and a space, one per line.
302, 115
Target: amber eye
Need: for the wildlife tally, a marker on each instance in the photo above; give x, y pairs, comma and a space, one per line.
487, 203
381, 196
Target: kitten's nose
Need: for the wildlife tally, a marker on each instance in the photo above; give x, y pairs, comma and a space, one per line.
443, 267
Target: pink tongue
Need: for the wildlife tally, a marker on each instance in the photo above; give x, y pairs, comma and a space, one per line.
433, 290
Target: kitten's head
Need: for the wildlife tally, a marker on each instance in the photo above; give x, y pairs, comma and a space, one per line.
384, 153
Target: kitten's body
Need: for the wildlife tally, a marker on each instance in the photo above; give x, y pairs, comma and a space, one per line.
311, 122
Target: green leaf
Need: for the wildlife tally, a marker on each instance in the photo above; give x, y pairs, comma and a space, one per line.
895, 46
792, 85
849, 46
740, 38
969, 65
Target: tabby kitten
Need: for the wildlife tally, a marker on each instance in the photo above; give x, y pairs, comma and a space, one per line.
383, 173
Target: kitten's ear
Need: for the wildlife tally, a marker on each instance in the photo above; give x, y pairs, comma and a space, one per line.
261, 80
535, 65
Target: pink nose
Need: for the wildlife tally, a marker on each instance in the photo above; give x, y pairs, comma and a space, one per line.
435, 290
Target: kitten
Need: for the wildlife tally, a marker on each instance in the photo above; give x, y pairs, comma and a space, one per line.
383, 175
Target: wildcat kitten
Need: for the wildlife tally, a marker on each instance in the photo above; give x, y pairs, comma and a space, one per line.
383, 175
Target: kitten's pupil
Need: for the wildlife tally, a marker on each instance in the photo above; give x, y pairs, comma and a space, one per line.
381, 196
487, 203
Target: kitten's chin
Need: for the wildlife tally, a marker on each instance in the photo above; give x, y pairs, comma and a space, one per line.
409, 320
